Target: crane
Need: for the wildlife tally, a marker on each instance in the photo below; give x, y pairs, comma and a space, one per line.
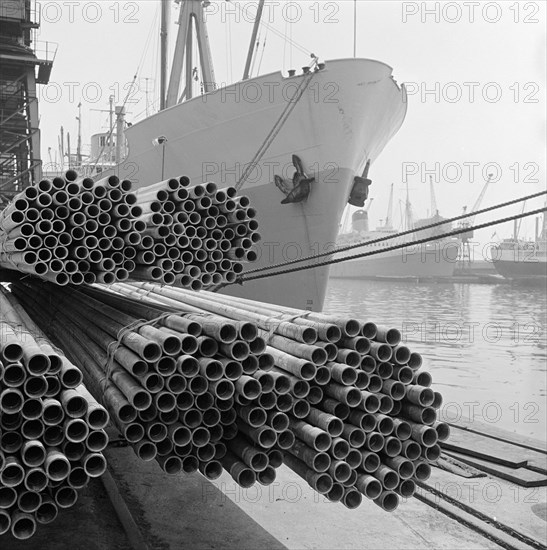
478, 202
465, 255
434, 209
389, 215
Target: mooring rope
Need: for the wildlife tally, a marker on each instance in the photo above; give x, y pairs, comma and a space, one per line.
394, 236
244, 278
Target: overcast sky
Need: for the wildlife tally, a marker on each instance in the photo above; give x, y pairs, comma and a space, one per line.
475, 72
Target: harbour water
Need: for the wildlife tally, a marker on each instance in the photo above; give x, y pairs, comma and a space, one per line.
485, 345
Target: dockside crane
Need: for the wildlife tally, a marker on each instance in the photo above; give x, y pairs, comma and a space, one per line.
434, 209
465, 252
389, 216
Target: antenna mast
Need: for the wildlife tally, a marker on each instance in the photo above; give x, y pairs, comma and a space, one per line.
354, 28
164, 44
79, 145
253, 40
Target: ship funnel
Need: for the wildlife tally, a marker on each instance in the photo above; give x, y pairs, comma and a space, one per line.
359, 221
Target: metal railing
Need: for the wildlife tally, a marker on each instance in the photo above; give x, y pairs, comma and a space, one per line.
45, 51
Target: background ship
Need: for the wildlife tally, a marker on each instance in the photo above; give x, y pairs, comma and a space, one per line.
523, 261
297, 145
433, 260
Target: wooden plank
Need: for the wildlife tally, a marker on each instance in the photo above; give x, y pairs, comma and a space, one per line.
462, 441
520, 476
537, 464
536, 461
457, 467
490, 430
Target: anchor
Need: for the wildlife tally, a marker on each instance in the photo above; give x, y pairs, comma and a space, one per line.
359, 191
301, 184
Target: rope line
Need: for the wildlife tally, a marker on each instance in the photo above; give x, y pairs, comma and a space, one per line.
113, 347
388, 237
275, 321
242, 278
133, 327
276, 129
271, 28
272, 320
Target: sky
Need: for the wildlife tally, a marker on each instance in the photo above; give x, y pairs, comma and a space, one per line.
475, 74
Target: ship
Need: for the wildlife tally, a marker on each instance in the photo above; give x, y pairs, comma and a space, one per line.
300, 146
435, 260
523, 261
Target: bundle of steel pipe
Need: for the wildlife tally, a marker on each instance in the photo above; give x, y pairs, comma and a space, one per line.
170, 381
195, 236
67, 231
345, 402
51, 428
200, 381
72, 232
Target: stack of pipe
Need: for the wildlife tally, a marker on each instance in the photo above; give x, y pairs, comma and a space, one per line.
72, 232
170, 387
340, 401
195, 236
361, 410
51, 428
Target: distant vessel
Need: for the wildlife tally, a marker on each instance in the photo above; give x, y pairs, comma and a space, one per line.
523, 261
299, 146
434, 260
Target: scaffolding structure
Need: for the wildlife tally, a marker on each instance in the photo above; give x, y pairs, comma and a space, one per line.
24, 63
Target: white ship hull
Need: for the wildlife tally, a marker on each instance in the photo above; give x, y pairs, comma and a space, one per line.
434, 261
525, 262
348, 113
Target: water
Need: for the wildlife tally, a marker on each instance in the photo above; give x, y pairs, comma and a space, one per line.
485, 345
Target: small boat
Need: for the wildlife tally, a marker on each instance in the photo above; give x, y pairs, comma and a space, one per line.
523, 261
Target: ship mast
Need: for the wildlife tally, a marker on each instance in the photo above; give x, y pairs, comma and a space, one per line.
164, 44
191, 17
253, 40
354, 28
389, 214
409, 222
79, 147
